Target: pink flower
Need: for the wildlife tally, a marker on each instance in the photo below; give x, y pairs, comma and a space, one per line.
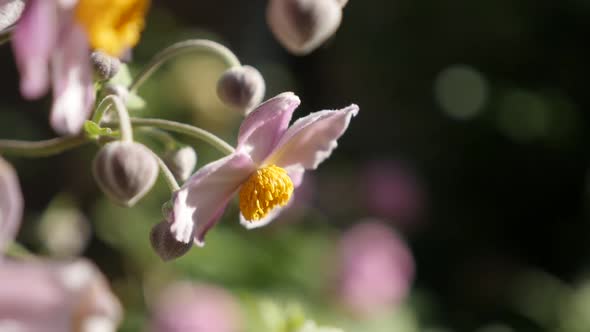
11, 204
268, 163
376, 268
196, 308
56, 297
51, 48
392, 190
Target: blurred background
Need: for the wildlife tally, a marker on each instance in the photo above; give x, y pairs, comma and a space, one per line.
457, 200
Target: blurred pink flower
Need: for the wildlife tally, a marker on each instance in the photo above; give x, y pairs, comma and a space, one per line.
56, 297
391, 190
11, 204
375, 268
269, 162
49, 46
197, 308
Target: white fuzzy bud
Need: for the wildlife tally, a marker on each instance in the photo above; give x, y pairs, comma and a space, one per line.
105, 66
241, 88
301, 26
181, 162
164, 243
125, 171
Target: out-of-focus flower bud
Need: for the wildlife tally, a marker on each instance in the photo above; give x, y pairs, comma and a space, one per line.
182, 162
11, 204
342, 3
375, 268
125, 171
164, 243
64, 230
105, 66
49, 296
10, 11
241, 88
301, 26
195, 307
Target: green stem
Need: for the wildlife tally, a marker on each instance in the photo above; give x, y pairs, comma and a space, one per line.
167, 141
124, 123
185, 129
6, 35
168, 176
16, 250
101, 108
180, 48
41, 148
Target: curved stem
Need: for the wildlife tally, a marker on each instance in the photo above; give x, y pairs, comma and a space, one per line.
174, 50
124, 122
100, 110
41, 148
6, 35
168, 176
163, 137
185, 129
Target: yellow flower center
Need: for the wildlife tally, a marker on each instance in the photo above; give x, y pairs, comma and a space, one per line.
112, 26
265, 189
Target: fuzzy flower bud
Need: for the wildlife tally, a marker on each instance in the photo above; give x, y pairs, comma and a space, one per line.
10, 11
301, 26
241, 88
164, 243
105, 66
181, 162
125, 171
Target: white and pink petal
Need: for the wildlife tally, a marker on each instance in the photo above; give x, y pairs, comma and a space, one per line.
73, 90
311, 139
263, 127
34, 39
201, 201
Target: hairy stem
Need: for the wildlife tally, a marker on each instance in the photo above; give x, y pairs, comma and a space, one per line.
201, 45
43, 148
184, 129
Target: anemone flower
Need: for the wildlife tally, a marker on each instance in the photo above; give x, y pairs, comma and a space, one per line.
40, 295
185, 306
52, 42
268, 163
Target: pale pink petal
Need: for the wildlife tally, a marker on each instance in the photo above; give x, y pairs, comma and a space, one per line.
41, 295
311, 139
201, 201
10, 12
296, 173
263, 127
73, 91
33, 41
11, 204
272, 215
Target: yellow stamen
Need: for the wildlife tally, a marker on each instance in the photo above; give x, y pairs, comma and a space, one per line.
265, 189
112, 25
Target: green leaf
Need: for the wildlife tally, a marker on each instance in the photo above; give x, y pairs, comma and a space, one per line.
93, 130
123, 77
135, 102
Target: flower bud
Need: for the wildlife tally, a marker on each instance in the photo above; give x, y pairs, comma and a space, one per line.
105, 66
301, 26
342, 3
11, 204
181, 162
241, 88
125, 171
164, 243
10, 12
